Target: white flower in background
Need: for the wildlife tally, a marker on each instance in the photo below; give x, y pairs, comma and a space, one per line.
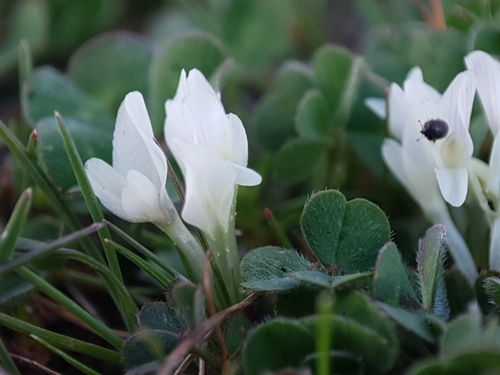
134, 187
435, 169
488, 86
409, 110
212, 151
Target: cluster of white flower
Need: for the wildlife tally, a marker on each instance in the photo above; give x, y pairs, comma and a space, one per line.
211, 149
440, 167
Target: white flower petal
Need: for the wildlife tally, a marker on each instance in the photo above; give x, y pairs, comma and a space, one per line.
417, 91
246, 176
494, 181
458, 99
377, 106
140, 199
398, 111
210, 186
107, 184
133, 143
392, 153
415, 73
453, 184
488, 85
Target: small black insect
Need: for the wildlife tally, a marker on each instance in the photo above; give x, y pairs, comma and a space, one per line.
434, 129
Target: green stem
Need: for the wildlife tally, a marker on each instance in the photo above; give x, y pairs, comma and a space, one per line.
323, 339
71, 306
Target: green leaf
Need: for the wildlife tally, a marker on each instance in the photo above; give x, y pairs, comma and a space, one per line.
376, 352
296, 303
316, 278
267, 269
236, 333
245, 25
345, 234
356, 306
299, 158
344, 363
90, 141
311, 120
460, 293
47, 91
30, 22
162, 316
367, 146
147, 346
430, 267
277, 345
390, 282
415, 322
486, 37
439, 55
492, 287
338, 73
190, 301
15, 225
201, 51
100, 65
482, 363
466, 334
275, 114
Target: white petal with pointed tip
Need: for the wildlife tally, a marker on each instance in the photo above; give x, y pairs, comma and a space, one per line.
377, 106
453, 184
488, 85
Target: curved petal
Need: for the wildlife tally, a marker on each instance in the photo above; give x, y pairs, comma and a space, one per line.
392, 153
107, 184
417, 91
458, 99
398, 111
453, 184
246, 176
494, 181
488, 85
239, 142
133, 143
140, 199
210, 186
377, 106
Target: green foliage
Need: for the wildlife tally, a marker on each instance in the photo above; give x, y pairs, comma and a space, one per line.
347, 235
390, 281
346, 295
100, 65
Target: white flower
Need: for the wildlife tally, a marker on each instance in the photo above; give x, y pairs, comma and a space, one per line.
488, 86
409, 110
431, 171
212, 151
134, 187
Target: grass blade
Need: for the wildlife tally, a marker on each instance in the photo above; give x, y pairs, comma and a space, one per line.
73, 362
15, 225
61, 341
